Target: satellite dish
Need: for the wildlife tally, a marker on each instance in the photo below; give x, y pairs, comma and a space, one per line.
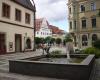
32, 2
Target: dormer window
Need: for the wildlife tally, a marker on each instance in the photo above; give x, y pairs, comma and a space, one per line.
82, 8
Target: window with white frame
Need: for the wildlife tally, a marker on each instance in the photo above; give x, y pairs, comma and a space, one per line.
93, 6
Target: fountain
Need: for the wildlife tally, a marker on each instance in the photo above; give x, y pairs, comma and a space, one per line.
59, 67
69, 49
68, 56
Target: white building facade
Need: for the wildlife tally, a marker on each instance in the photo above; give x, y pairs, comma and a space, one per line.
16, 26
42, 28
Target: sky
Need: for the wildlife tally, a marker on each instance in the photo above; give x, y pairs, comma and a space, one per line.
55, 11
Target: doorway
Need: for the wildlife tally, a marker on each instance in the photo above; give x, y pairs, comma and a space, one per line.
18, 43
2, 43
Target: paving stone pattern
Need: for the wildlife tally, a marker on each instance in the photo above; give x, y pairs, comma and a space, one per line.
4, 66
96, 75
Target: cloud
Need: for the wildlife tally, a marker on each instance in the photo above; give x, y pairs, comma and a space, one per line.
52, 10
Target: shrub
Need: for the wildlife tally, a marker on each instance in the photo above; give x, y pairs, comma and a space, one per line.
55, 53
92, 50
96, 44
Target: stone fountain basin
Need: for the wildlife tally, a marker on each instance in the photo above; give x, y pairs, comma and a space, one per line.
70, 71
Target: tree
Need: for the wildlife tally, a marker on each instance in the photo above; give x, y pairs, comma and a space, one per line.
37, 40
68, 38
47, 39
58, 41
52, 40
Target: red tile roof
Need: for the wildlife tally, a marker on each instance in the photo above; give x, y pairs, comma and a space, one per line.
38, 23
56, 30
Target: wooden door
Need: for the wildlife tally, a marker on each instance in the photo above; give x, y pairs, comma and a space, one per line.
18, 43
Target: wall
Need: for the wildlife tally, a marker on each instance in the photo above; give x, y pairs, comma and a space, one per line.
9, 27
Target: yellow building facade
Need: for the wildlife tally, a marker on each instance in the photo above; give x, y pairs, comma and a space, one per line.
84, 21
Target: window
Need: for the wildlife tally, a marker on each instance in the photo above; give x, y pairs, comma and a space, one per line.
93, 6
27, 18
70, 25
83, 24
94, 37
75, 41
82, 8
74, 24
74, 9
84, 40
93, 22
70, 10
28, 44
5, 10
17, 15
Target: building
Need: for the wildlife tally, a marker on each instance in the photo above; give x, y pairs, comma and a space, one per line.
42, 28
57, 33
84, 18
16, 26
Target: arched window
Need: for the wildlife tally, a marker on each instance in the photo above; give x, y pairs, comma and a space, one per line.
84, 40
94, 37
28, 44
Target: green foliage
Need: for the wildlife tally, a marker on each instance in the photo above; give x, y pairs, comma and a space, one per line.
47, 39
58, 41
42, 40
68, 38
52, 40
92, 50
55, 53
99, 13
37, 40
96, 44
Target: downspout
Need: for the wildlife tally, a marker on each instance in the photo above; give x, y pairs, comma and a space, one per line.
34, 28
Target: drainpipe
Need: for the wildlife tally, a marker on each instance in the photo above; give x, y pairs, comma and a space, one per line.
34, 28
